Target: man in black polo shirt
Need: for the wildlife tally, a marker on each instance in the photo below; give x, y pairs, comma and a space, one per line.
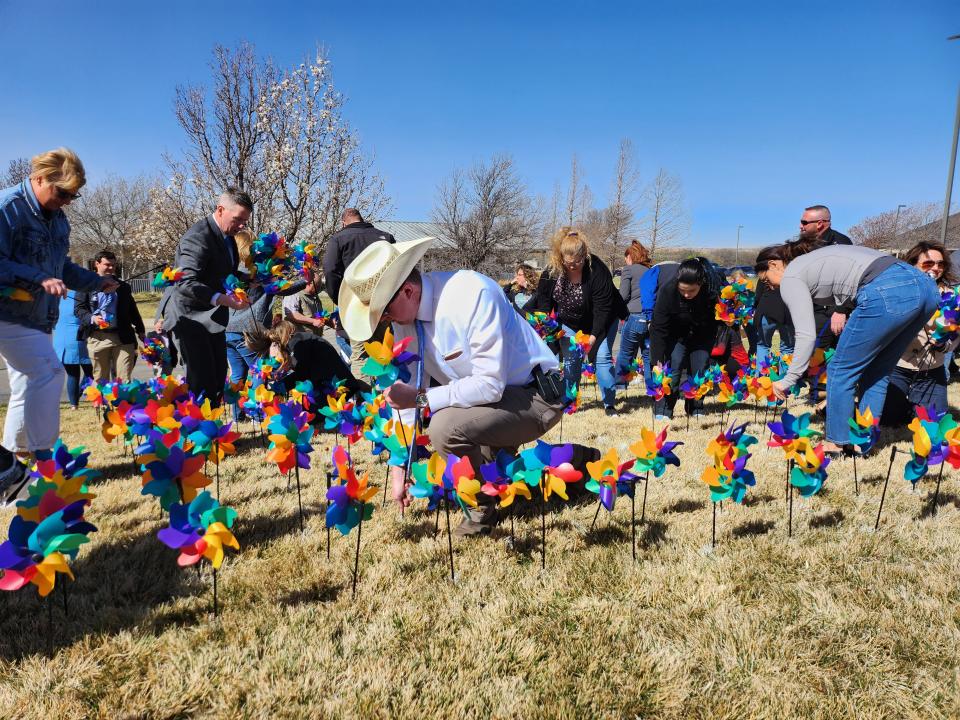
343, 247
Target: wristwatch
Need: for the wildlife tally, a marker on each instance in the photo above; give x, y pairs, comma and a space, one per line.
421, 399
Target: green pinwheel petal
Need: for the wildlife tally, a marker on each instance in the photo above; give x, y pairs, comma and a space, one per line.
593, 486
65, 543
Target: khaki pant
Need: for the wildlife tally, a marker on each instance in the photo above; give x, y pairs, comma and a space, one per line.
520, 416
110, 357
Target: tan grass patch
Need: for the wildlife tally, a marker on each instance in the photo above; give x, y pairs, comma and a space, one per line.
837, 622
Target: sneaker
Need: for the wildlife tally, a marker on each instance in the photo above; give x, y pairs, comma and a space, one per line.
12, 480
662, 418
610, 411
699, 413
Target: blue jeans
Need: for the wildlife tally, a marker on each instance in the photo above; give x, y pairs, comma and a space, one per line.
890, 311
635, 336
73, 380
696, 359
241, 359
765, 338
907, 388
573, 364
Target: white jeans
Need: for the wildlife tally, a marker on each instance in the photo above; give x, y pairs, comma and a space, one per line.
36, 383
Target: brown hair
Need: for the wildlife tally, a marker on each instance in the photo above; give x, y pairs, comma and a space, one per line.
260, 339
786, 252
567, 241
529, 274
912, 256
638, 254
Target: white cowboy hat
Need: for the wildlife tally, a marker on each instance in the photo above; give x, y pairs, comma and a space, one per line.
371, 281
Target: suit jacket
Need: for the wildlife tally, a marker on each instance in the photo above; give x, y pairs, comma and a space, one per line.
129, 322
202, 256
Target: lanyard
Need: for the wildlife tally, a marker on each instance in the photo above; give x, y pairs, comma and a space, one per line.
417, 420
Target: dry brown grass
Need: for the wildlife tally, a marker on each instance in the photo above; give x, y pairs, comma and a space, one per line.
837, 622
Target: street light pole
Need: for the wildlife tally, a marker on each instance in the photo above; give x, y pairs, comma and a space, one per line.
739, 228
953, 166
896, 221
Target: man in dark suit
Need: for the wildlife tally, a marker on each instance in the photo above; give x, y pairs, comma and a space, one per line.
355, 236
196, 311
110, 324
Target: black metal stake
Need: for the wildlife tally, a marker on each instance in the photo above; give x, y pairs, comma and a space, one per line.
790, 495
216, 607
543, 520
856, 482
936, 492
643, 508
216, 451
50, 626
329, 480
595, 516
633, 520
356, 557
511, 526
299, 498
446, 507
66, 609
713, 536
893, 453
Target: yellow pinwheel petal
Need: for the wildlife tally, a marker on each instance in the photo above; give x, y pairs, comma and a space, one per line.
47, 570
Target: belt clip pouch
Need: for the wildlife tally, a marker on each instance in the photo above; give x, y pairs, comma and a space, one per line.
549, 385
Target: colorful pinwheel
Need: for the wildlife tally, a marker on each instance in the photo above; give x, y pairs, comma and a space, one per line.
167, 277
735, 304
235, 289
290, 434
609, 478
15, 293
200, 529
660, 381
387, 362
728, 477
348, 499
936, 439
653, 453
547, 326
946, 318
864, 430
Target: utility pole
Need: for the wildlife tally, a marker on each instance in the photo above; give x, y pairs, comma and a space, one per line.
953, 166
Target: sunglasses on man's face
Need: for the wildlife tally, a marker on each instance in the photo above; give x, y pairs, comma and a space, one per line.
65, 195
809, 222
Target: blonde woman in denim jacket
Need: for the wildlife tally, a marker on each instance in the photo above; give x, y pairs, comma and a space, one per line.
35, 273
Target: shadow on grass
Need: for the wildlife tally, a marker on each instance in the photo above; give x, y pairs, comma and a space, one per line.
751, 500
754, 527
654, 534
319, 592
685, 506
828, 519
929, 511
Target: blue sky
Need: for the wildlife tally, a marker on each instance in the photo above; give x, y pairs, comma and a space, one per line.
760, 108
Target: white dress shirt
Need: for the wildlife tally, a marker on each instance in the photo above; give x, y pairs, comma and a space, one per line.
475, 342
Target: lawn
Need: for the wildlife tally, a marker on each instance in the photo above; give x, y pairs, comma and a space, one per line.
838, 621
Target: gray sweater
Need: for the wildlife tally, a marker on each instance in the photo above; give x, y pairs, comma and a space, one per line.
630, 286
830, 276
258, 313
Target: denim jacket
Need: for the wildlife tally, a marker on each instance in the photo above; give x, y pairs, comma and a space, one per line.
33, 247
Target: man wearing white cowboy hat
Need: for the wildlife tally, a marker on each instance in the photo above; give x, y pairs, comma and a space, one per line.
487, 377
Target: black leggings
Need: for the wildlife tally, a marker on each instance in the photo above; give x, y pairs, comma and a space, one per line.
73, 380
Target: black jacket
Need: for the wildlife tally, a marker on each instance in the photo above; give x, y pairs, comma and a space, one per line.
832, 237
129, 322
202, 254
602, 304
677, 320
343, 248
770, 305
317, 361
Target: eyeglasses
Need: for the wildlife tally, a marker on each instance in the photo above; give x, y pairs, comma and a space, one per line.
929, 264
65, 194
573, 263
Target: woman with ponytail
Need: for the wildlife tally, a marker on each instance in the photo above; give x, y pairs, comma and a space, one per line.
635, 334
889, 302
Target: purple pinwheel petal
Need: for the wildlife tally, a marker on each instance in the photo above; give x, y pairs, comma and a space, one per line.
608, 496
13, 557
175, 539
338, 495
